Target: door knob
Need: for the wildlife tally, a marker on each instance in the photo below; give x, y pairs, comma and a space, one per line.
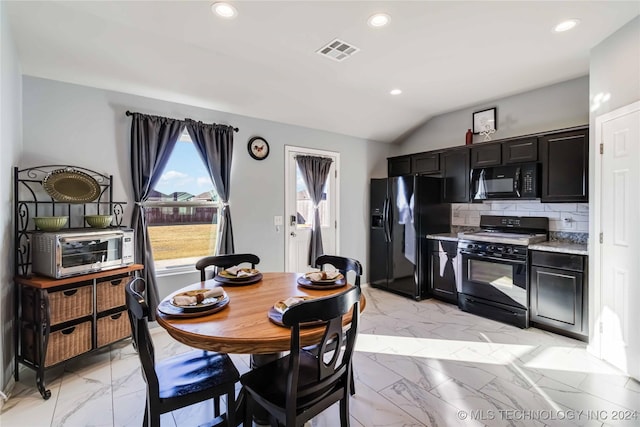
293, 234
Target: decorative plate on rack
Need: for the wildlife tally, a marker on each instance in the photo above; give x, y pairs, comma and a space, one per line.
71, 186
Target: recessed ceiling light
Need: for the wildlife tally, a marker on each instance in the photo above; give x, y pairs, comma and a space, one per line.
378, 20
224, 10
566, 25
395, 92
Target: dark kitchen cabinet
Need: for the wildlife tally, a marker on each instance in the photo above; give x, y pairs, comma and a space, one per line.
486, 155
443, 271
559, 293
565, 159
425, 163
398, 166
520, 150
455, 171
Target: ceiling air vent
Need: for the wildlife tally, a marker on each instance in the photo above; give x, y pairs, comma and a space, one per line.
337, 50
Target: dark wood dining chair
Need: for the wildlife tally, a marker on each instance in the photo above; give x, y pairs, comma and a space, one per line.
181, 380
220, 262
343, 265
299, 386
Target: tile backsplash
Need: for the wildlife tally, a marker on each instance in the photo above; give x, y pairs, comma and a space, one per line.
566, 217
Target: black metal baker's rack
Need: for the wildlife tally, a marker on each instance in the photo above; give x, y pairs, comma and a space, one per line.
32, 200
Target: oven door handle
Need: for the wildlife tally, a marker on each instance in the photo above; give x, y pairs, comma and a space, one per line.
92, 238
492, 258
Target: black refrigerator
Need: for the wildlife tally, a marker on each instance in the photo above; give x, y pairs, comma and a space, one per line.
404, 210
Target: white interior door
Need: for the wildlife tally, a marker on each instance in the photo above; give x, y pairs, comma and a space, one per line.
299, 210
618, 315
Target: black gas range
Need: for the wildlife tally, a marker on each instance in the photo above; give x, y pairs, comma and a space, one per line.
494, 267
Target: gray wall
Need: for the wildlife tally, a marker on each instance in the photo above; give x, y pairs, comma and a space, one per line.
614, 70
557, 106
78, 125
10, 135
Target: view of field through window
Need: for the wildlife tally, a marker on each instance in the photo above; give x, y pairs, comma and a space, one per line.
182, 209
183, 241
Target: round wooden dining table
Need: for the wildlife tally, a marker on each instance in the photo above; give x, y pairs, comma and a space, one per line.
243, 326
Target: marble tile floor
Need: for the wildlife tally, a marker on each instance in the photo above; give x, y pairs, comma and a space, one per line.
417, 364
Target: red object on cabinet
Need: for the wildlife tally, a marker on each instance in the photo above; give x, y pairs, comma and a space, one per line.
469, 137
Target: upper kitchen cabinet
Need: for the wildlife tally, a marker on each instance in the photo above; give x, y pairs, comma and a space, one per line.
398, 166
425, 163
520, 150
565, 160
455, 171
486, 155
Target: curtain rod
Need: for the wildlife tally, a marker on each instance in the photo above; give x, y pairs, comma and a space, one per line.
129, 113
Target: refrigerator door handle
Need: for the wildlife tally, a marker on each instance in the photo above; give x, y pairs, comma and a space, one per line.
385, 220
389, 217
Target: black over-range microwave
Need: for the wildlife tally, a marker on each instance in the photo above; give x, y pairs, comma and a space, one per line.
519, 181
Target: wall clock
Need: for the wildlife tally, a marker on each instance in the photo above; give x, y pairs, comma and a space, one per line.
258, 148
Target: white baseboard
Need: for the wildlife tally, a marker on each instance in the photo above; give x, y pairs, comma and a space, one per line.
7, 391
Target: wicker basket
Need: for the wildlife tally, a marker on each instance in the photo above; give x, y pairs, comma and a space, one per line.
68, 343
111, 293
70, 304
113, 328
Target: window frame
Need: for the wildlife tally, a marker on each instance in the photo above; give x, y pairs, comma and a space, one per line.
189, 264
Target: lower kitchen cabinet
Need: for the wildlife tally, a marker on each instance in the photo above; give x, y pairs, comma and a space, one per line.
443, 271
559, 293
59, 319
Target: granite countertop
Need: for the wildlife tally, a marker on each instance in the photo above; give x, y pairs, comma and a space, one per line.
443, 236
560, 246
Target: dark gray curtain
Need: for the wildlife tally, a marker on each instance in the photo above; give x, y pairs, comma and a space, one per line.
314, 172
215, 145
152, 140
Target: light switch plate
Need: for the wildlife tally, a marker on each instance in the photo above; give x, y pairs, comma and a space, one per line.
277, 220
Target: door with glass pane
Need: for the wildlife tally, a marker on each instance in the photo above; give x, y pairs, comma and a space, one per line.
299, 210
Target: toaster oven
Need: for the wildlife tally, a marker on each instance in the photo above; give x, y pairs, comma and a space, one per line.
73, 252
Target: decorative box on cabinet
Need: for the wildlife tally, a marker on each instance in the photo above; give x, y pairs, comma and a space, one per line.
64, 318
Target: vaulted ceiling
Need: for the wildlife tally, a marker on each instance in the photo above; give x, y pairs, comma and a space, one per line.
442, 55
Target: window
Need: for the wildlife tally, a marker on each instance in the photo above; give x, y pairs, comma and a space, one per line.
304, 204
182, 210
